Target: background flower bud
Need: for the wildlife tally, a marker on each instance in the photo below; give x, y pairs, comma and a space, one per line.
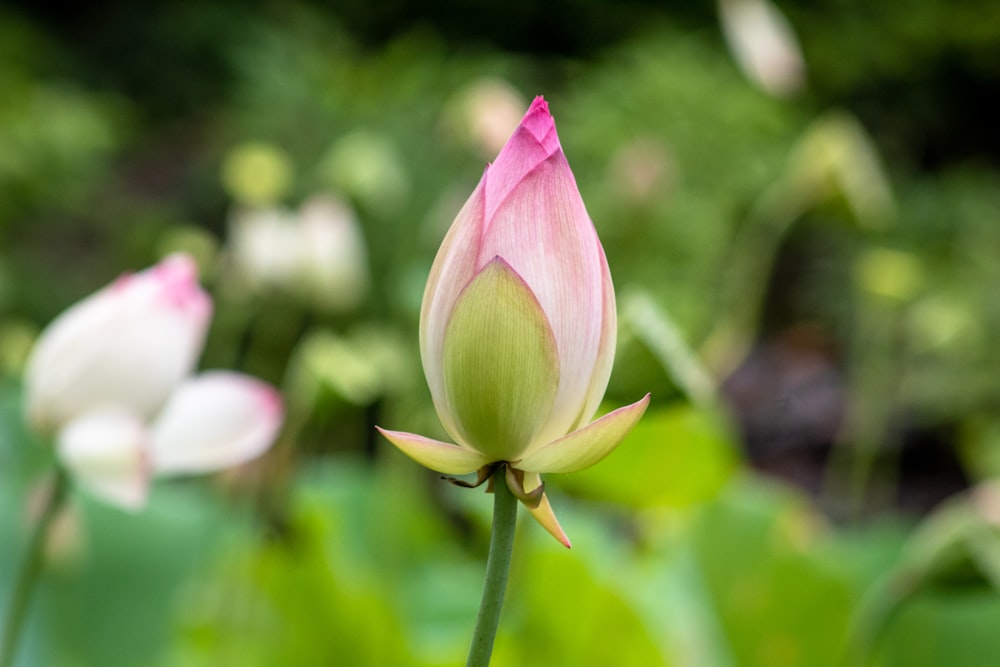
129, 344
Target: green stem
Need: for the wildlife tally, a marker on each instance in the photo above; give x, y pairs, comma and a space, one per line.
30, 570
873, 616
497, 567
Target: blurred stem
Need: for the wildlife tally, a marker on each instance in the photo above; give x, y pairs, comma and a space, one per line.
749, 266
497, 567
854, 465
873, 616
24, 585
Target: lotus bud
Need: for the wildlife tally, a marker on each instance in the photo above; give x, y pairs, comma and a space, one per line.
518, 327
129, 345
103, 370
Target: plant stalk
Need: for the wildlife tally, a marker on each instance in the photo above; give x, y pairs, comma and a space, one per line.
31, 568
497, 568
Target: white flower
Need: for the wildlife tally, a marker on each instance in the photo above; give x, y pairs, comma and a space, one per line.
103, 370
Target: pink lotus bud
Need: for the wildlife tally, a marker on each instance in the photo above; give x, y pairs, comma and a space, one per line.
518, 325
127, 345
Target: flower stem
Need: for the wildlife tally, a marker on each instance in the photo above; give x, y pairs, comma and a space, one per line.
497, 567
24, 585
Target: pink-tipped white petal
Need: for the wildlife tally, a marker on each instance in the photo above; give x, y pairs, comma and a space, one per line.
586, 446
543, 514
128, 344
105, 451
436, 455
215, 420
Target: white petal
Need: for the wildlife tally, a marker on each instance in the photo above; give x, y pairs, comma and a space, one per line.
213, 421
335, 258
128, 344
267, 246
105, 451
764, 45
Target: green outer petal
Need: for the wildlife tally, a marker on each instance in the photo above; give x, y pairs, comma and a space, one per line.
543, 513
588, 445
454, 268
501, 366
436, 455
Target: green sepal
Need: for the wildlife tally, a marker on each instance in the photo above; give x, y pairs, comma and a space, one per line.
501, 365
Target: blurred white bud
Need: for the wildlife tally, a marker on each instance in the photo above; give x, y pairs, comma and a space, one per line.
335, 257
128, 344
266, 247
642, 170
317, 254
485, 113
764, 45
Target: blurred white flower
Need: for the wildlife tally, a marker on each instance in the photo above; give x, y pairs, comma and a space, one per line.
642, 170
129, 343
764, 45
486, 113
102, 371
266, 247
335, 257
318, 254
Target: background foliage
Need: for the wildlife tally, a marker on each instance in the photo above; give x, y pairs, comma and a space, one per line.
805, 285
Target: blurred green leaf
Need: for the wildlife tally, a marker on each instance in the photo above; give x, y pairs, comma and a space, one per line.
564, 610
781, 601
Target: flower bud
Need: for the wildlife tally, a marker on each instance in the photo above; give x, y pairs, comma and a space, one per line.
518, 325
129, 345
103, 369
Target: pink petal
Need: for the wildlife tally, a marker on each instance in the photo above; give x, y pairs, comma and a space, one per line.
533, 141
215, 420
436, 455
